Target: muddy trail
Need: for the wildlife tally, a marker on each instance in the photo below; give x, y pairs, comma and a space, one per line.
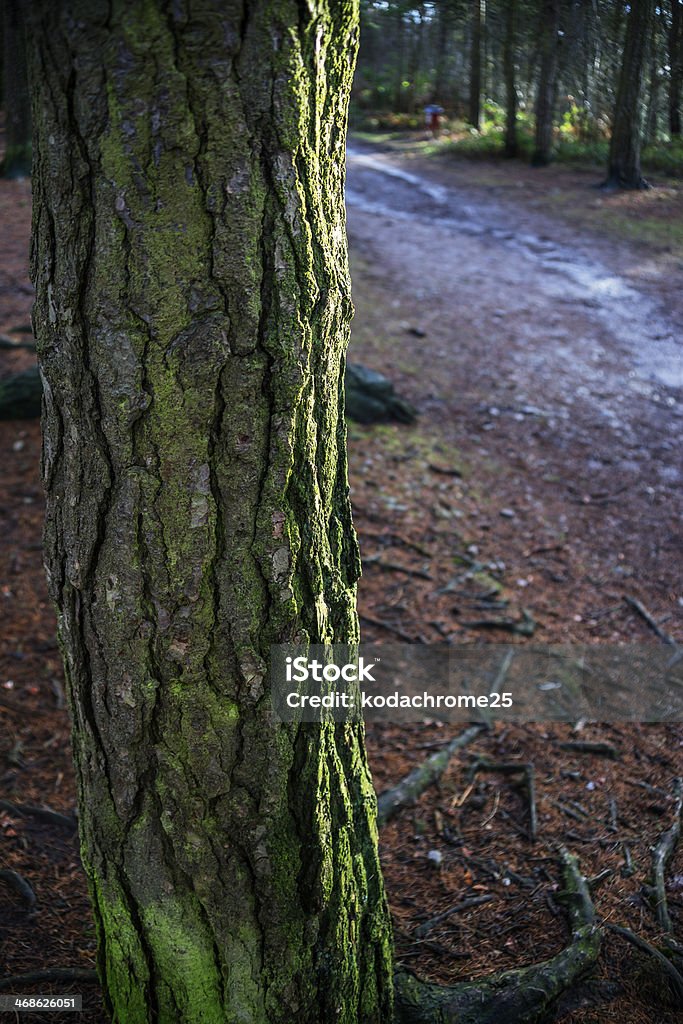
550, 372
538, 497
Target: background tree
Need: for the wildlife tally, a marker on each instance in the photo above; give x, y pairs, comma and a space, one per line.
476, 33
676, 66
623, 169
509, 55
547, 84
192, 314
15, 93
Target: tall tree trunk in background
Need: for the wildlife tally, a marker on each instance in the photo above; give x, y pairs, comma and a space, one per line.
653, 90
192, 314
16, 99
676, 65
623, 169
545, 96
399, 57
444, 16
509, 54
474, 109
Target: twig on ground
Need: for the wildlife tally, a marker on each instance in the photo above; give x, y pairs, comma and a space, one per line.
432, 768
651, 621
628, 868
661, 855
568, 811
395, 567
389, 627
526, 626
466, 904
586, 747
598, 879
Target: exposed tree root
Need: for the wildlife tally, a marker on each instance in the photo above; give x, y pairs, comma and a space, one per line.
661, 855
673, 975
513, 768
432, 768
17, 882
68, 975
522, 996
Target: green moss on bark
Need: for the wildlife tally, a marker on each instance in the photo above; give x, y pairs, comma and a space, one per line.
192, 315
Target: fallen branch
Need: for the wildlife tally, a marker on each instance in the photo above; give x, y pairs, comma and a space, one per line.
409, 789
522, 996
661, 855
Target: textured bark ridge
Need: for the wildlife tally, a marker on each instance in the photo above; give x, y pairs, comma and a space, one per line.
192, 314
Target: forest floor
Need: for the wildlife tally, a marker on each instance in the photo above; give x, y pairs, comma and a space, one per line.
541, 484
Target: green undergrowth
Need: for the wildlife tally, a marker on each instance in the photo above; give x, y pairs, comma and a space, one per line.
571, 146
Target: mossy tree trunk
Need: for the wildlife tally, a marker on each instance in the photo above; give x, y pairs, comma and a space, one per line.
15, 95
192, 313
623, 169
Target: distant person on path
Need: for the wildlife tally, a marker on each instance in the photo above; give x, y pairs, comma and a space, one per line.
433, 114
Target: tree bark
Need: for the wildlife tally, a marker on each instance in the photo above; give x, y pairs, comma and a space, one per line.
16, 100
509, 47
545, 96
474, 111
192, 314
676, 65
623, 169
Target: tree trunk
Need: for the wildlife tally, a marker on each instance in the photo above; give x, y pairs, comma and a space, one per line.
624, 153
444, 28
545, 97
510, 83
192, 314
652, 112
16, 100
399, 57
676, 65
474, 112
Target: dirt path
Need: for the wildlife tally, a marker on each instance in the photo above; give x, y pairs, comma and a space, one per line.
555, 374
540, 488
